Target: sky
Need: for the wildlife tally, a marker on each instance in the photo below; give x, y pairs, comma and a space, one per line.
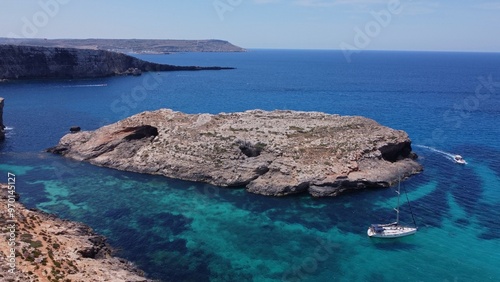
422, 25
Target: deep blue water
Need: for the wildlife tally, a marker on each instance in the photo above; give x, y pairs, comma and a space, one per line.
183, 231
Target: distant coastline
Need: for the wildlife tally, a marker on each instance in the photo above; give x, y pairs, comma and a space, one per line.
34, 62
135, 46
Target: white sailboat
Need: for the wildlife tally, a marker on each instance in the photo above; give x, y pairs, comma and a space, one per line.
393, 230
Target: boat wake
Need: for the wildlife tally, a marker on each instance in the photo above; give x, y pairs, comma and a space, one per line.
450, 156
9, 131
86, 85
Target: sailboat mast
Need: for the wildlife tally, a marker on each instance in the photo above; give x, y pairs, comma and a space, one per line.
399, 194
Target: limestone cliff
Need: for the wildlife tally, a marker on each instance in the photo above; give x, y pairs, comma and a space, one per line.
271, 153
32, 62
2, 126
50, 249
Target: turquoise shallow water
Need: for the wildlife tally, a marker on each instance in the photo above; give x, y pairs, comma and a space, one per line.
183, 231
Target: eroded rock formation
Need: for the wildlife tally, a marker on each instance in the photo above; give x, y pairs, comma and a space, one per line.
271, 153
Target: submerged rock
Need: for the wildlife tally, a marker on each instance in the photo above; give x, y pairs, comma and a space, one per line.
271, 153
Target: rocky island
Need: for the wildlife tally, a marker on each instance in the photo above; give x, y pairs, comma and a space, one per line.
274, 153
51, 249
34, 62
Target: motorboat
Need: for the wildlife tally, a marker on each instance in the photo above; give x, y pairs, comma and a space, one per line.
459, 160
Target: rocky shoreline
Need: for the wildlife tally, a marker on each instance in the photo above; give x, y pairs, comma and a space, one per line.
273, 153
51, 249
35, 62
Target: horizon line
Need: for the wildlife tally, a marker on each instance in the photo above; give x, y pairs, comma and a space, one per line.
260, 48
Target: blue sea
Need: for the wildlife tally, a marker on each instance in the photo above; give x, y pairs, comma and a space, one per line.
448, 103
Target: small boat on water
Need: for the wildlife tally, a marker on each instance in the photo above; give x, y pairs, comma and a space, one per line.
393, 230
459, 160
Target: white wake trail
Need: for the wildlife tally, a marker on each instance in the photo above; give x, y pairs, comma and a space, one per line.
443, 153
85, 85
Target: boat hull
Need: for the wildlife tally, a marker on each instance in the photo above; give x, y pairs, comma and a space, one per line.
459, 160
393, 231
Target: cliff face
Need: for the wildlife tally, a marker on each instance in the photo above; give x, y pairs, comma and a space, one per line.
271, 153
50, 249
2, 126
30, 62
